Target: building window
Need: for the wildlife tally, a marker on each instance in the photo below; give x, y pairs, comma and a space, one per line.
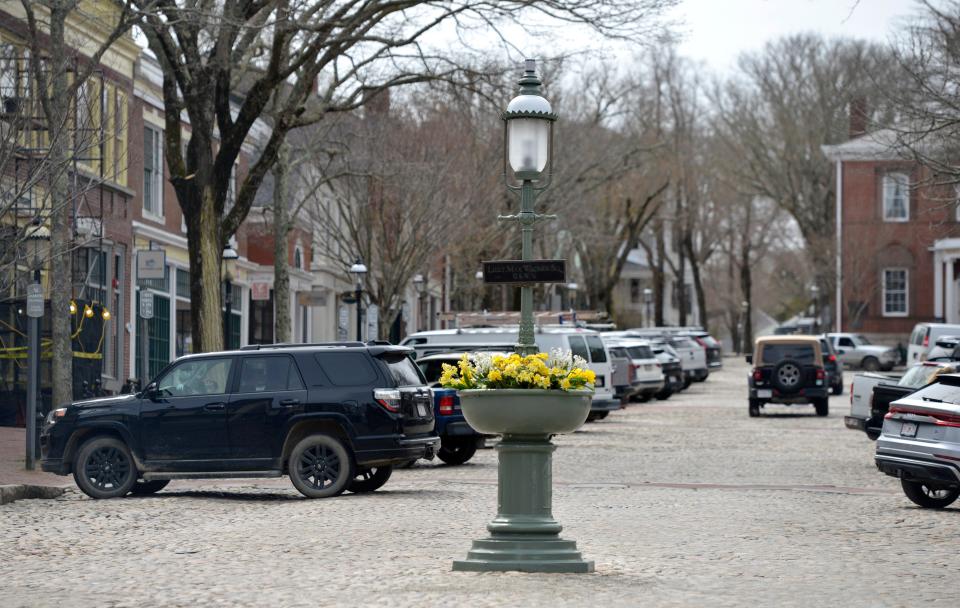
634, 291
895, 300
896, 197
152, 172
297, 258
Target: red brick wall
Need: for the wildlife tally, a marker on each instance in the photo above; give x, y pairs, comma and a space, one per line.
871, 244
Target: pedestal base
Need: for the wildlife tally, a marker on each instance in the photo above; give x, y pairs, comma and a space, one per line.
531, 553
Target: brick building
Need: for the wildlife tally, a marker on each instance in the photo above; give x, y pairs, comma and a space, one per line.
896, 239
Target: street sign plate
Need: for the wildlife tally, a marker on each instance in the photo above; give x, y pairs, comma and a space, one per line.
146, 304
525, 271
151, 263
34, 300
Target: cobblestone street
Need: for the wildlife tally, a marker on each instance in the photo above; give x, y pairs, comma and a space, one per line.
686, 502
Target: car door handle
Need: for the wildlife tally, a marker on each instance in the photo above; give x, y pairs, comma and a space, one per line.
289, 402
214, 406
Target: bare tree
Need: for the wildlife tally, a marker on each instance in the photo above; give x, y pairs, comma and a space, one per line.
60, 70
328, 57
788, 100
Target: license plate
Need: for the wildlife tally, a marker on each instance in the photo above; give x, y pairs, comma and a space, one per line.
909, 429
764, 393
421, 410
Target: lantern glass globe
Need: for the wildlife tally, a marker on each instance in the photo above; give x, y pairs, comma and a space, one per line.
529, 143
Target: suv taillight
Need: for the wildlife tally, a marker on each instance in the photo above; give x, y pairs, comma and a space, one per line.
446, 405
832, 358
633, 372
821, 374
938, 419
926, 340
388, 398
757, 374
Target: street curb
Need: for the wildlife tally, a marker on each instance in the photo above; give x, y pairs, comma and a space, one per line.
10, 493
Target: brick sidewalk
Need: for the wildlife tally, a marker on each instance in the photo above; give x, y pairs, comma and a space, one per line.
12, 454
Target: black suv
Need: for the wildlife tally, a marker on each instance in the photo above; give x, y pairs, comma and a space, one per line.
333, 417
788, 370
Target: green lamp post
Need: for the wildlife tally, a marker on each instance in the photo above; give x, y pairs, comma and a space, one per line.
528, 150
524, 536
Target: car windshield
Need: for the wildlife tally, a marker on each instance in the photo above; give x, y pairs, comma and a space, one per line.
825, 346
922, 375
801, 353
861, 340
640, 352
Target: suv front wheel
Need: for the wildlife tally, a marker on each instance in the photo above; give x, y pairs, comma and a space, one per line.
320, 466
822, 405
104, 468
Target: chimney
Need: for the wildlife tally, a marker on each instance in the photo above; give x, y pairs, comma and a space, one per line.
376, 102
858, 116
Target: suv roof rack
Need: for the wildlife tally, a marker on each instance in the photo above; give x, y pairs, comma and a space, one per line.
304, 345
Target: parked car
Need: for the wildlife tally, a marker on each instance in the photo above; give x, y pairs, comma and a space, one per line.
622, 376
672, 370
945, 348
646, 372
788, 370
583, 342
711, 346
333, 417
693, 356
874, 396
458, 440
861, 402
832, 365
925, 336
856, 351
920, 443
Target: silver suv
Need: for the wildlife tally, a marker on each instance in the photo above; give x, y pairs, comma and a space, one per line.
920, 443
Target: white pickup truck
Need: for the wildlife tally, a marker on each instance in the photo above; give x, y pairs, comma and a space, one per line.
861, 402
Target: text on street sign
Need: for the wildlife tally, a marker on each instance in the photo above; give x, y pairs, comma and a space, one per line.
525, 271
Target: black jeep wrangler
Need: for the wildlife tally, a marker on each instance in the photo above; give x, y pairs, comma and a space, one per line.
333, 417
788, 370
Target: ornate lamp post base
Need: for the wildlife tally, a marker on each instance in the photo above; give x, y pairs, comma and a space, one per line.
524, 536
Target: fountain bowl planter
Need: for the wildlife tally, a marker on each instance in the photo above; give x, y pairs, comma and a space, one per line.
521, 411
524, 536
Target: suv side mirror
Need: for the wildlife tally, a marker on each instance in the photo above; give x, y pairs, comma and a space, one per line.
749, 359
150, 392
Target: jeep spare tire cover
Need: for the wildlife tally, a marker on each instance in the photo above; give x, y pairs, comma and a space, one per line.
788, 376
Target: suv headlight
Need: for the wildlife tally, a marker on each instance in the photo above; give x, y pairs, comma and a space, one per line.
56, 415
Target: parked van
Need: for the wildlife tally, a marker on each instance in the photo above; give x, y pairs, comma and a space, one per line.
925, 336
583, 342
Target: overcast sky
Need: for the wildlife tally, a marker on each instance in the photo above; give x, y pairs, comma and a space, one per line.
716, 31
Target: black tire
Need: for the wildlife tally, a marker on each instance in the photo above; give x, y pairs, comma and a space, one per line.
145, 488
455, 452
926, 497
368, 480
644, 398
320, 466
870, 364
837, 389
754, 408
787, 376
104, 468
822, 405
664, 394
687, 382
873, 435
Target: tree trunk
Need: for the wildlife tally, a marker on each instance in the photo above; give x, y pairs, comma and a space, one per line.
61, 232
746, 288
281, 228
205, 248
697, 281
658, 282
